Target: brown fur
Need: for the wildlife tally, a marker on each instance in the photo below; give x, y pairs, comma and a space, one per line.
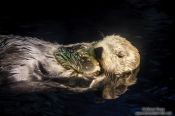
28, 64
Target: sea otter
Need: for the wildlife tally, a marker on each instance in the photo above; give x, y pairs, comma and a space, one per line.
31, 64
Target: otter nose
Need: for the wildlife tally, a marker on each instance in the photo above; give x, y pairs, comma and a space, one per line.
98, 52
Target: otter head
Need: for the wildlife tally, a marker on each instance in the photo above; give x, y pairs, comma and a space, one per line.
119, 60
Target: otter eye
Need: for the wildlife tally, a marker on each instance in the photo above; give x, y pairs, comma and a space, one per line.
121, 54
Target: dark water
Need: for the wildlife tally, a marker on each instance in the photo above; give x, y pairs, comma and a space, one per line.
148, 25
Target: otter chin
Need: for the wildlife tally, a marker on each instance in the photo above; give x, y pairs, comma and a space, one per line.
31, 64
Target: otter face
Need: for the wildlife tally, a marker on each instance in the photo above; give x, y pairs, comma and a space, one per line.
119, 60
117, 55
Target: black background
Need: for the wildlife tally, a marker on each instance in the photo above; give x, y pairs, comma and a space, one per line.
147, 24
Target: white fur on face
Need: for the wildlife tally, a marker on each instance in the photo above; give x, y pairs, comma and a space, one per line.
118, 55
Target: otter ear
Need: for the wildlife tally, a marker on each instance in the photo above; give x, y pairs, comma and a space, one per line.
98, 52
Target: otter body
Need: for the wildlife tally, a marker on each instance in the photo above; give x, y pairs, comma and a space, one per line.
31, 64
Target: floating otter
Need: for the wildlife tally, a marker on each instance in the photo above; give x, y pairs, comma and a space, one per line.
30, 64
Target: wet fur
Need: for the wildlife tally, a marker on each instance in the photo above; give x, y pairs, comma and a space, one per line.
28, 64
